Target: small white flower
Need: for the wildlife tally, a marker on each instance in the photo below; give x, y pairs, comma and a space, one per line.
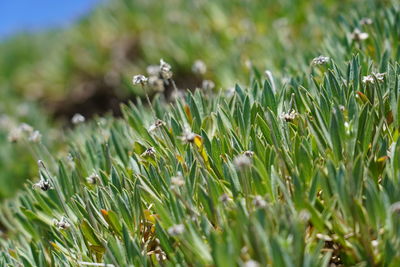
178, 180
304, 215
320, 60
374, 243
77, 118
188, 136
248, 153
63, 224
26, 128
259, 202
43, 185
151, 151
157, 124
358, 36
379, 76
153, 70
289, 116
366, 21
35, 137
199, 67
224, 198
156, 83
14, 135
139, 79
207, 85
165, 69
177, 229
370, 78
177, 94
242, 161
93, 178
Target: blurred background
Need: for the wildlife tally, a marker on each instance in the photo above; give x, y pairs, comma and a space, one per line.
60, 58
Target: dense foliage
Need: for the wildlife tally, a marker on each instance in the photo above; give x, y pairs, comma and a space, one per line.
298, 166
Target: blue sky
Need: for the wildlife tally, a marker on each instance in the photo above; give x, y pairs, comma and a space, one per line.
31, 15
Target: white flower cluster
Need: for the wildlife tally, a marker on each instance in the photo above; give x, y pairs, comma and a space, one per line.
370, 78
157, 124
62, 224
358, 35
151, 151
77, 119
43, 184
289, 116
199, 67
159, 75
321, 60
176, 229
139, 79
24, 131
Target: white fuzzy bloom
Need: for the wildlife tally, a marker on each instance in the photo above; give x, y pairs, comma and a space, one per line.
304, 215
177, 229
199, 67
178, 180
320, 60
358, 36
26, 128
22, 131
242, 161
248, 153
188, 136
224, 198
370, 78
366, 21
289, 116
139, 79
93, 178
156, 83
77, 119
165, 69
259, 202
14, 135
63, 224
207, 85
151, 151
153, 70
35, 137
157, 124
43, 185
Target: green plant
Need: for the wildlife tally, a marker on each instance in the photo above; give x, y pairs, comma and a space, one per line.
291, 170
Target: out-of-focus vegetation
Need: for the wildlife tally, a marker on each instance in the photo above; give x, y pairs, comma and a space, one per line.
296, 166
